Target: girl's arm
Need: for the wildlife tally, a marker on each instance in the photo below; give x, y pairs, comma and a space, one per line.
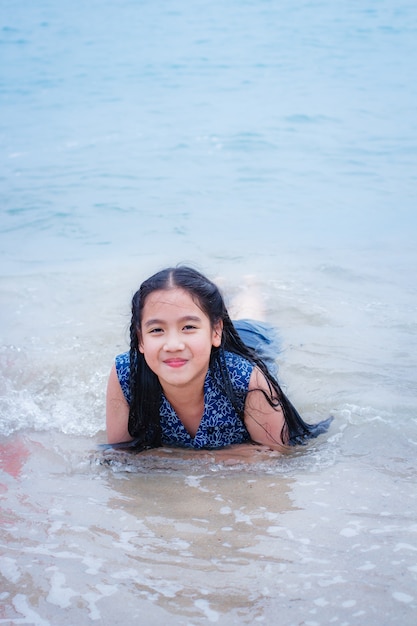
263, 421
117, 411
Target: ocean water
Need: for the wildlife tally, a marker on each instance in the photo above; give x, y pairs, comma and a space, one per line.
273, 146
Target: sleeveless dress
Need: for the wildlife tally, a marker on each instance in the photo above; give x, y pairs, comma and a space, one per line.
220, 425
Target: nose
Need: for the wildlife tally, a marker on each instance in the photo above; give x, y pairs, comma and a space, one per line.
173, 343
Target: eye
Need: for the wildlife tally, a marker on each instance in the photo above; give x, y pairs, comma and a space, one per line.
189, 327
156, 331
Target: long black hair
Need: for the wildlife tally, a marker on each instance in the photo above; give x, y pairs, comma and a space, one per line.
145, 388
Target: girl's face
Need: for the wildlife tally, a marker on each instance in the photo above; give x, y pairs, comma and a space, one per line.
176, 338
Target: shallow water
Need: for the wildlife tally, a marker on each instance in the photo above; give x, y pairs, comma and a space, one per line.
318, 537
273, 147
327, 533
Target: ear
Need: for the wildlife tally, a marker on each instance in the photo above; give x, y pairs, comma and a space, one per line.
140, 344
217, 334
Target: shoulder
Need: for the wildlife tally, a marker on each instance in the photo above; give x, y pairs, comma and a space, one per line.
235, 360
122, 360
258, 381
239, 368
122, 364
122, 368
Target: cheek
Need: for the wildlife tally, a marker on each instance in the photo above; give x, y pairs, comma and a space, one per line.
150, 349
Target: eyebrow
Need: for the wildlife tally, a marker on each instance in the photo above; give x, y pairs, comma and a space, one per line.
186, 318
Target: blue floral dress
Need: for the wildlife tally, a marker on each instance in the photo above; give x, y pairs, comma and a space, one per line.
220, 425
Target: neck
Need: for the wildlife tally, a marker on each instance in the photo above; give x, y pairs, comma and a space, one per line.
189, 396
188, 404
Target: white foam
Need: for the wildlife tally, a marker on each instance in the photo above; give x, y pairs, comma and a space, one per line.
127, 574
366, 567
405, 546
9, 569
20, 603
348, 604
204, 606
93, 564
92, 598
402, 597
337, 580
243, 518
349, 532
58, 593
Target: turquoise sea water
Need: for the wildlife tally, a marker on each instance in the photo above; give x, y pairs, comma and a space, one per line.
273, 145
127, 125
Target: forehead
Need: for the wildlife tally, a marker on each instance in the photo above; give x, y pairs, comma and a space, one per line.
170, 303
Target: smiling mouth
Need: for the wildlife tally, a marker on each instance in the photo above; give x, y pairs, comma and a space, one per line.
175, 362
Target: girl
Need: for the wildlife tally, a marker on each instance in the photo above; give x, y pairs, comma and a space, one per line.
190, 381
